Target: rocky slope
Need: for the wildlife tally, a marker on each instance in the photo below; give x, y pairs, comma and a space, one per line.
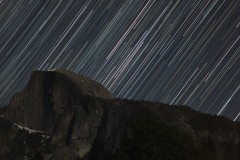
61, 115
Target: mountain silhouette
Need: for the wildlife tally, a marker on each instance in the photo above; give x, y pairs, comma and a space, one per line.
62, 115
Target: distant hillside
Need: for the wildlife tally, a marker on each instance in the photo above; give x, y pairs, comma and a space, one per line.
61, 115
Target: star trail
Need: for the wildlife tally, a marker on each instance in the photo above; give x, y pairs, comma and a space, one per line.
184, 52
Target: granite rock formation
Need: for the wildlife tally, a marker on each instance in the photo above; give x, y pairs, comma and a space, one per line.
62, 115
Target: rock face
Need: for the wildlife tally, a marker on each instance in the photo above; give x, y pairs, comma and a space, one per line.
61, 115
65, 107
50, 94
18, 143
69, 108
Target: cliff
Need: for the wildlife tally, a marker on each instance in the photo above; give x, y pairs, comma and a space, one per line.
61, 115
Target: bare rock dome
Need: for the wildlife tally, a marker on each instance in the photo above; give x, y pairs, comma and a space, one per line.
51, 93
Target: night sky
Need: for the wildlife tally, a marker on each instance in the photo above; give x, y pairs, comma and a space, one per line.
184, 52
